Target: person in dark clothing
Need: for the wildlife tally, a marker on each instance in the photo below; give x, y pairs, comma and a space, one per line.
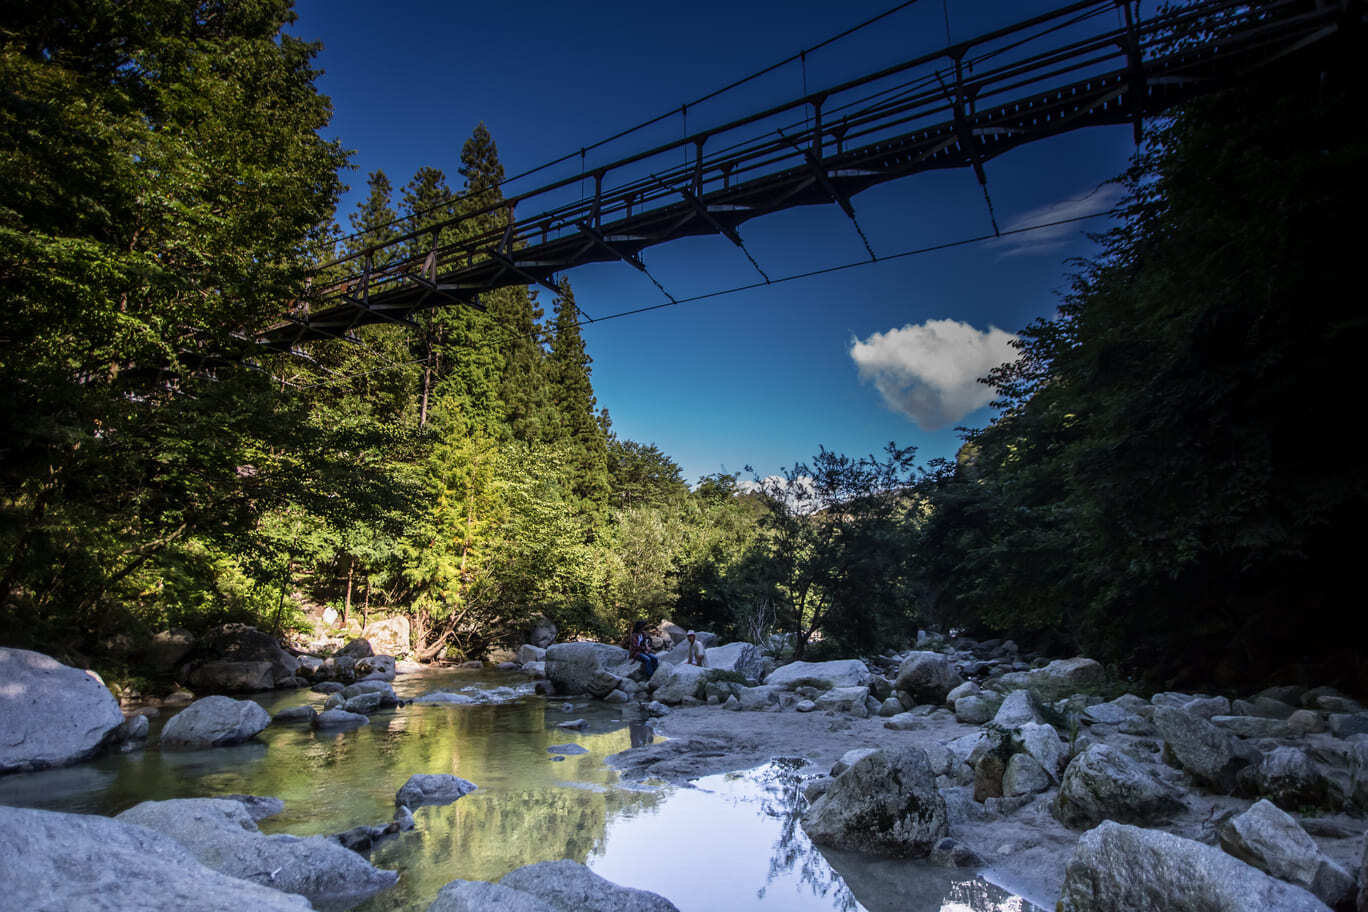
639, 648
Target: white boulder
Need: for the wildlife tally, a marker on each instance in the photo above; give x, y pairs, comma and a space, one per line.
821, 675
51, 714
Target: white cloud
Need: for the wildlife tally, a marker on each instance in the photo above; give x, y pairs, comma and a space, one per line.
929, 371
1055, 238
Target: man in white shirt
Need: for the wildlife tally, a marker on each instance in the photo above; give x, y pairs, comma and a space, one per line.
695, 654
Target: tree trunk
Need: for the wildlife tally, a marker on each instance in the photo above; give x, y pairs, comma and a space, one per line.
346, 602
427, 372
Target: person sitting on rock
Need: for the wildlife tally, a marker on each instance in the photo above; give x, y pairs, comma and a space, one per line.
695, 654
639, 648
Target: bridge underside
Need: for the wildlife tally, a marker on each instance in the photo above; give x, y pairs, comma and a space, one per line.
814, 168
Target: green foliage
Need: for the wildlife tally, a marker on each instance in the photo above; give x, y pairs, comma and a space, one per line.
161, 182
836, 548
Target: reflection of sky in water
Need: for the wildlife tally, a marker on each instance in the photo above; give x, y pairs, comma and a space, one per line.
733, 842
728, 842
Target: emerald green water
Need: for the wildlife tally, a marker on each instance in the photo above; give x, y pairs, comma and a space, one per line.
723, 842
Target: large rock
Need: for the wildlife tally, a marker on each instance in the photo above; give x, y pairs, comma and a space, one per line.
214, 721
1262, 706
481, 896
223, 836
302, 713
1288, 777
52, 862
579, 668
845, 700
927, 677
1065, 677
760, 698
1104, 784
1346, 725
51, 714
1041, 743
364, 703
821, 675
1018, 708
1363, 879
338, 668
434, 788
542, 633
679, 652
1254, 726
339, 718
1204, 750
232, 677
166, 649
1106, 714
568, 886
358, 648
741, 658
377, 668
850, 758
885, 804
383, 688
673, 684
1117, 867
390, 637
240, 644
1206, 707
1272, 841
1024, 776
974, 709
529, 653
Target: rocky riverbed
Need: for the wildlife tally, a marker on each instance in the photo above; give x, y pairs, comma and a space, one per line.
958, 772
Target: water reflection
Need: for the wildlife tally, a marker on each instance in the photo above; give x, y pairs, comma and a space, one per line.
640, 734
783, 799
704, 847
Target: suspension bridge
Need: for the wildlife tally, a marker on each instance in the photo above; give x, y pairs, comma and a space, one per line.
1089, 63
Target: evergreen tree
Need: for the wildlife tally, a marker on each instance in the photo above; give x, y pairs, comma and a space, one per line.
483, 173
373, 223
529, 410
427, 200
575, 404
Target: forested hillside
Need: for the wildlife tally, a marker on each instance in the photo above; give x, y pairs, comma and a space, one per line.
1169, 486
164, 187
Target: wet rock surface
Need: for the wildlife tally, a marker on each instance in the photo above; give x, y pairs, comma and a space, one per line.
432, 788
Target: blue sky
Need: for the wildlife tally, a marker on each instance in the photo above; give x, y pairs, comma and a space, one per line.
761, 377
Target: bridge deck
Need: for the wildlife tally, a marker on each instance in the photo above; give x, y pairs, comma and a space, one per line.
944, 118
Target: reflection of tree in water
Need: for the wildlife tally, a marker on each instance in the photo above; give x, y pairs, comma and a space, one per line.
978, 894
782, 781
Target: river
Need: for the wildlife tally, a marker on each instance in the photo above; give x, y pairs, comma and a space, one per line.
724, 842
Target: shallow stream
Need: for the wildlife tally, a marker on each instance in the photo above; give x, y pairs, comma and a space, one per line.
724, 842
